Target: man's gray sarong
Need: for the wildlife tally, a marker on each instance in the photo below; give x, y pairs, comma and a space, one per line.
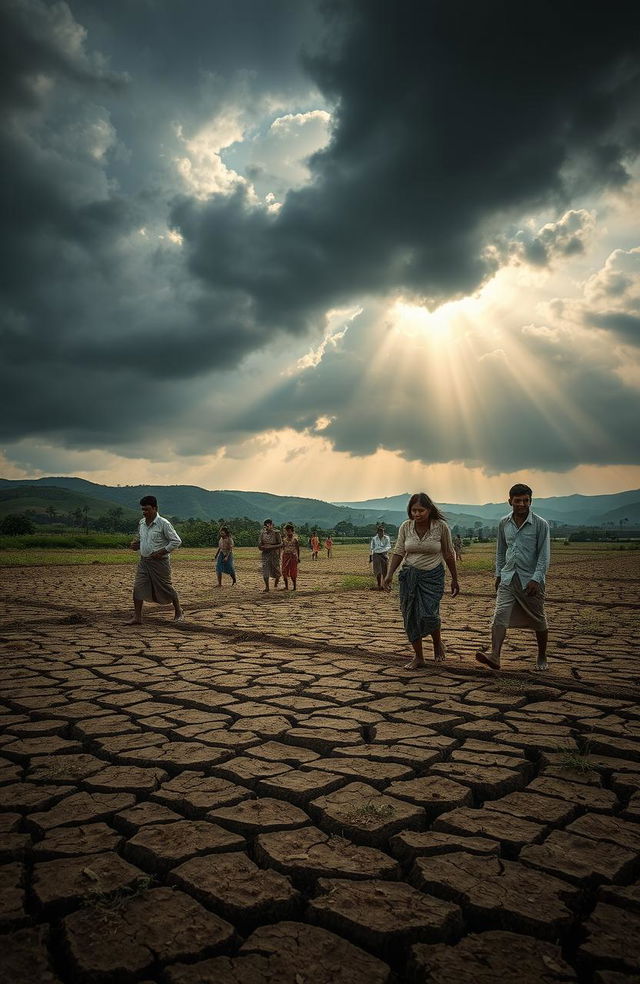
153, 581
517, 610
380, 564
420, 594
271, 563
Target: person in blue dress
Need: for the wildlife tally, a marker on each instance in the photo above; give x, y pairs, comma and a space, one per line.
224, 556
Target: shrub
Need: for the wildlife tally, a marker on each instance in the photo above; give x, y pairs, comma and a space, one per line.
16, 524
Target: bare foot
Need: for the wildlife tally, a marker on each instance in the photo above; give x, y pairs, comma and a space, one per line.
482, 658
134, 621
265, 590
415, 664
441, 655
179, 617
542, 666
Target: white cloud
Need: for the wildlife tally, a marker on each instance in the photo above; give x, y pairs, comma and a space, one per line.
617, 284
567, 237
201, 168
278, 158
290, 122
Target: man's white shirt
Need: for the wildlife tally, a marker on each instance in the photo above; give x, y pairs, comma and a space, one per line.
158, 535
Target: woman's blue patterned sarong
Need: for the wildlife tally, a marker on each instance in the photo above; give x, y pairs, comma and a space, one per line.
225, 566
420, 594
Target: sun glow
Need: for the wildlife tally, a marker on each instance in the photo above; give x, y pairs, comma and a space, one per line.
418, 322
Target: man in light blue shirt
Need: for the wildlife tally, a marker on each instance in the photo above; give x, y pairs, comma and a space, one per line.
522, 560
156, 539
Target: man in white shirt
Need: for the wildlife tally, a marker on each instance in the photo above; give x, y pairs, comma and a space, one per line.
522, 560
156, 540
379, 554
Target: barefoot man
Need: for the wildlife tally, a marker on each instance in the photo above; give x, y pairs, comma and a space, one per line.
155, 541
270, 545
522, 560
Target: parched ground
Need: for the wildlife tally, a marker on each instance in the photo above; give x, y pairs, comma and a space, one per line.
263, 794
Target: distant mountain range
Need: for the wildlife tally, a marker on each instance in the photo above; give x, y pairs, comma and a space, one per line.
185, 501
574, 510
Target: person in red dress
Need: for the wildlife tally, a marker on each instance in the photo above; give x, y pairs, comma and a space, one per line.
290, 556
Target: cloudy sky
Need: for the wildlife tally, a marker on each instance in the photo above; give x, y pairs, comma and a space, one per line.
337, 249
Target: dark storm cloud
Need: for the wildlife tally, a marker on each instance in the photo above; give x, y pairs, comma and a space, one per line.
95, 315
448, 119
627, 326
38, 38
449, 116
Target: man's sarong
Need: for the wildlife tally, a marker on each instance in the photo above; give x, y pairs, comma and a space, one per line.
517, 610
153, 581
289, 565
380, 564
225, 566
420, 594
271, 563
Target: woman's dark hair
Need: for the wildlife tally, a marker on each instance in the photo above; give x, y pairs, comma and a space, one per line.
224, 529
423, 499
149, 500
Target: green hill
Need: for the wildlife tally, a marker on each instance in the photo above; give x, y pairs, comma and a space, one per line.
190, 501
36, 500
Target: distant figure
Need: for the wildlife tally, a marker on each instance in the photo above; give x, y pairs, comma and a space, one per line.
290, 556
457, 546
379, 554
224, 556
156, 539
270, 544
522, 559
424, 542
315, 545
329, 546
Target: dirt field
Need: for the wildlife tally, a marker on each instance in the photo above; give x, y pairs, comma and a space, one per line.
264, 794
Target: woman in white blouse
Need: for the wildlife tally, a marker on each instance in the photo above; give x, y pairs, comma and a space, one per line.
424, 543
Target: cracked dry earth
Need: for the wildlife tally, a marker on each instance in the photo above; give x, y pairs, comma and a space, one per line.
264, 795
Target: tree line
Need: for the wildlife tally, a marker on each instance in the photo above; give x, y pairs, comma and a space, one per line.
194, 532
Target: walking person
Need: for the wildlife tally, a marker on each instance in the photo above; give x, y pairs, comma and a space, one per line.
523, 551
224, 556
270, 545
290, 556
379, 555
457, 546
424, 543
156, 539
329, 546
315, 545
